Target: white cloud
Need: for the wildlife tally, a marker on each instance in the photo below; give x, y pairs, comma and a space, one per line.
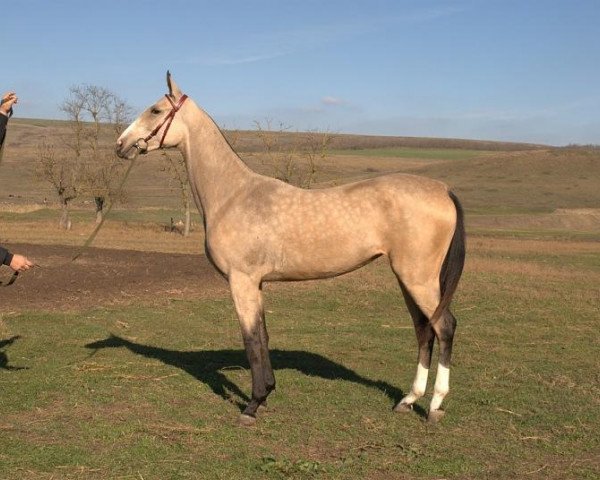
332, 101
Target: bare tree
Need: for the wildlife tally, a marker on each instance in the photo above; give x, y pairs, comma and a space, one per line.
119, 113
101, 106
73, 107
233, 136
99, 181
281, 157
88, 166
63, 172
294, 157
315, 147
178, 172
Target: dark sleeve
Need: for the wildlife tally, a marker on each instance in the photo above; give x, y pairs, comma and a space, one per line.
3, 122
5, 256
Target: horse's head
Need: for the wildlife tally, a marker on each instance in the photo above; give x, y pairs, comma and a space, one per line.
158, 126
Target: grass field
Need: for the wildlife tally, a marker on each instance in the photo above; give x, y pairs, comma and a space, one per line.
151, 389
153, 392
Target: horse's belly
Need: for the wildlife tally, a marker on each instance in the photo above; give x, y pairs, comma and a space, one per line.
321, 259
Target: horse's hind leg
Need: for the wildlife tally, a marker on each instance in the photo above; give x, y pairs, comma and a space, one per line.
426, 296
444, 330
423, 296
425, 339
248, 304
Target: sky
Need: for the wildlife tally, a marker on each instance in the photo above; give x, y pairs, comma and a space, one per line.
509, 70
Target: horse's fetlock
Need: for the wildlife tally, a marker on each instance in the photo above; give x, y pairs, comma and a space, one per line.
418, 392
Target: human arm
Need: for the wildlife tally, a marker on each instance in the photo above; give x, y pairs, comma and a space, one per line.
18, 263
7, 102
3, 122
5, 256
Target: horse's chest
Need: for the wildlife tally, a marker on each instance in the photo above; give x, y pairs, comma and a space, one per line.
236, 250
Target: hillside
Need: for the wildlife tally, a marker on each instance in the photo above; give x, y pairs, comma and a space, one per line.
503, 186
249, 140
348, 157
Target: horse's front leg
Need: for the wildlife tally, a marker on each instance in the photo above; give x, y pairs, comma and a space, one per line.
248, 304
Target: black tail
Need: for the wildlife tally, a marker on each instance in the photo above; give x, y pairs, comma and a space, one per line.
453, 263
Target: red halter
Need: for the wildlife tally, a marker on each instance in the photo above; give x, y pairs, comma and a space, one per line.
168, 119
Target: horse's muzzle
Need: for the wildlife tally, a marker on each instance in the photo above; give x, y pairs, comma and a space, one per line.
141, 146
125, 152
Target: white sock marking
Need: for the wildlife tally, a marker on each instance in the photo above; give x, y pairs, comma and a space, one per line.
418, 387
441, 388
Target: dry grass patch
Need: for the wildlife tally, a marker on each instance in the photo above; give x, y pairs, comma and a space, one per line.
114, 235
482, 244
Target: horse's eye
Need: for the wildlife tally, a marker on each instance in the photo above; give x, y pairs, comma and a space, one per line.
155, 111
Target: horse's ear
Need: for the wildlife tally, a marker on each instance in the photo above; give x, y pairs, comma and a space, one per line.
173, 88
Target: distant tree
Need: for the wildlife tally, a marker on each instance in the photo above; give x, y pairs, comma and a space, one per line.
88, 166
315, 148
63, 172
176, 167
297, 160
233, 136
100, 107
281, 157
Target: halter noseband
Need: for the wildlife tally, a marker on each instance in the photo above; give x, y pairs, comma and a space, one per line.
167, 120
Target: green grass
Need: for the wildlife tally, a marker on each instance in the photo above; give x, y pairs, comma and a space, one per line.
154, 392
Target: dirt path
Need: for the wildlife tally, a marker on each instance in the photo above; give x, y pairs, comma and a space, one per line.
104, 277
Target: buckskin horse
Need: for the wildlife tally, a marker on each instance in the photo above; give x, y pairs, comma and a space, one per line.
260, 229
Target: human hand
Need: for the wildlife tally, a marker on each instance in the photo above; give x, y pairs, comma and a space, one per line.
8, 100
20, 263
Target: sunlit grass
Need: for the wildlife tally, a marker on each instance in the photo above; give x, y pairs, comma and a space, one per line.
154, 391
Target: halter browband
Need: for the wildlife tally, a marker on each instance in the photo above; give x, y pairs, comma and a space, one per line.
167, 120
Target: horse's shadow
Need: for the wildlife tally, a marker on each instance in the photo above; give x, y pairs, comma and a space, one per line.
208, 367
4, 358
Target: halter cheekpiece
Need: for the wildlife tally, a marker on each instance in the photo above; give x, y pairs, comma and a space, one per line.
167, 120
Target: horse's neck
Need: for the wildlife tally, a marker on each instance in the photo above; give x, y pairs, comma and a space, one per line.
216, 172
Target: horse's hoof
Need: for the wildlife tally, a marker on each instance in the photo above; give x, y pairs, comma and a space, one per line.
403, 408
263, 406
435, 416
246, 420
